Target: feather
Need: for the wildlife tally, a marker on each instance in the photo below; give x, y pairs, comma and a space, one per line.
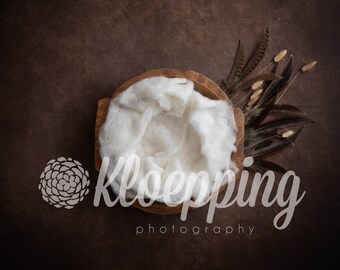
278, 143
262, 166
255, 119
257, 136
288, 121
259, 140
238, 65
272, 91
286, 109
257, 57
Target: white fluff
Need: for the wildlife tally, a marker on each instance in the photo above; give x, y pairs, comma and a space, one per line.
170, 126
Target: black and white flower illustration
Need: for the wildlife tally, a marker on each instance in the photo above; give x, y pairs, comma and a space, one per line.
64, 182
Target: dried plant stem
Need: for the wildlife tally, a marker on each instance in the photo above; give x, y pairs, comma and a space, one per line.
297, 74
233, 97
244, 106
272, 62
239, 102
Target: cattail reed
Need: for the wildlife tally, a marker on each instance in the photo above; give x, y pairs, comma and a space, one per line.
256, 85
276, 59
288, 134
280, 56
256, 94
308, 67
253, 101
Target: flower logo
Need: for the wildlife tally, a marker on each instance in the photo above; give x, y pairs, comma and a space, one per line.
64, 182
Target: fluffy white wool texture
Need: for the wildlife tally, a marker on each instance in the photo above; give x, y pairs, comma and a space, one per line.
170, 126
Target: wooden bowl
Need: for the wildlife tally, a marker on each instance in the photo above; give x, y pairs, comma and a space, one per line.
203, 85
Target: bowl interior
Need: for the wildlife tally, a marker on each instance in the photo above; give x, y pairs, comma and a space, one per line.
204, 86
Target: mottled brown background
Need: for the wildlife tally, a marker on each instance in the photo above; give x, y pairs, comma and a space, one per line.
60, 57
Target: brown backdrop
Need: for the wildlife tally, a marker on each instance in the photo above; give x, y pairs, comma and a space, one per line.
60, 57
